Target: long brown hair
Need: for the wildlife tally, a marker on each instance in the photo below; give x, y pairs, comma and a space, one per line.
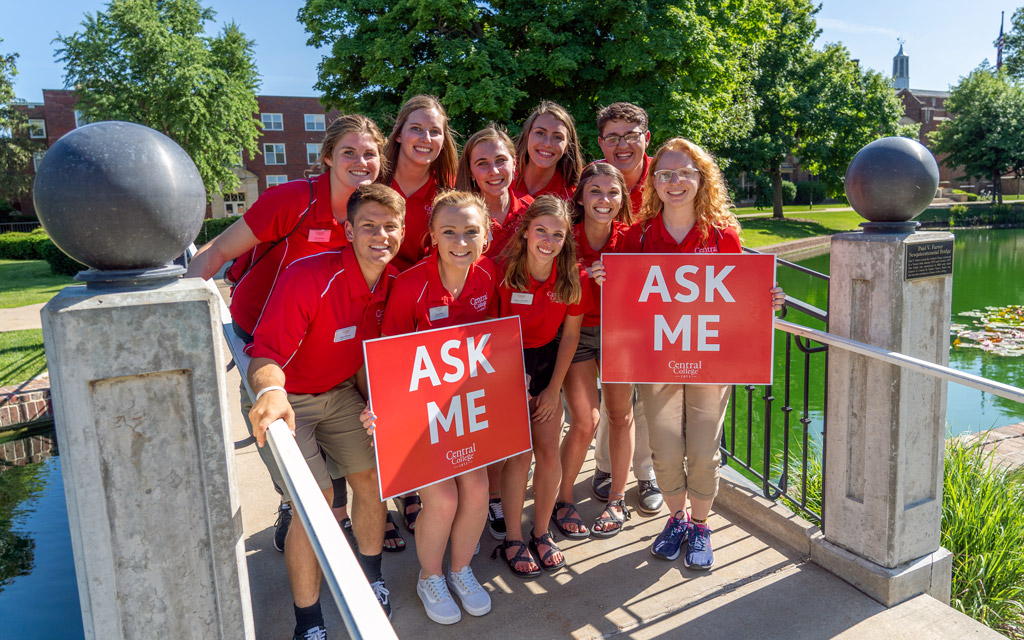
712, 201
353, 123
567, 287
491, 133
571, 163
592, 171
444, 166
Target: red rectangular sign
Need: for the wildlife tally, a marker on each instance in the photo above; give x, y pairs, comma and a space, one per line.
447, 401
687, 318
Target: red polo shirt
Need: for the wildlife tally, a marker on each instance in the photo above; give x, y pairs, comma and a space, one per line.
417, 222
555, 187
650, 236
270, 218
500, 233
317, 319
419, 301
586, 256
540, 315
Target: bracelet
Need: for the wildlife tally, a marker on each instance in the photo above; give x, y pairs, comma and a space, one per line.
260, 393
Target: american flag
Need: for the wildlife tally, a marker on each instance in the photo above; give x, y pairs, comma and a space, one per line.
999, 43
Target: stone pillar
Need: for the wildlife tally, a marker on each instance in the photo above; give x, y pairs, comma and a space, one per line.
139, 396
890, 287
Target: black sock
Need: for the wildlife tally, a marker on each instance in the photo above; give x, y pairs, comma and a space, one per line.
371, 567
308, 617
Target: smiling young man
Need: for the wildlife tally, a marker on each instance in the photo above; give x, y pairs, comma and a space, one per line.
623, 135
306, 369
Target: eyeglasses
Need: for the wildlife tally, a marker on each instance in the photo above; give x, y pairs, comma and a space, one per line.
632, 138
686, 173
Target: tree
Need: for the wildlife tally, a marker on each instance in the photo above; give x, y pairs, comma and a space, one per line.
147, 61
16, 146
1013, 46
819, 106
985, 133
688, 65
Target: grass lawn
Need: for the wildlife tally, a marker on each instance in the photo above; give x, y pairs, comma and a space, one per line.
21, 355
791, 209
759, 232
24, 282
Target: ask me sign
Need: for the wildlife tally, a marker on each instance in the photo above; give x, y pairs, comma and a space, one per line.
447, 401
687, 318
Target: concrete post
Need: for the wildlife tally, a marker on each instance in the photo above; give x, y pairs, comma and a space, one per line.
139, 396
890, 287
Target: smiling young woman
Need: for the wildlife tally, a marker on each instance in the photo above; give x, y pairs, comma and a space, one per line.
548, 153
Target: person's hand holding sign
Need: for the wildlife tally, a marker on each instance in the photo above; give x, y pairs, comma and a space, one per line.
778, 297
369, 420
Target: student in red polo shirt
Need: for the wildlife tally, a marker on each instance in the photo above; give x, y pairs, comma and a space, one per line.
288, 222
623, 135
422, 160
542, 284
603, 215
685, 210
548, 154
306, 367
451, 286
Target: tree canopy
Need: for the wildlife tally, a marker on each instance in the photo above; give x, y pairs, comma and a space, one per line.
15, 147
985, 133
147, 61
687, 64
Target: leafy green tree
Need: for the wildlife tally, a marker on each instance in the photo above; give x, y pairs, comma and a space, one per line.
985, 133
1013, 46
15, 146
147, 61
687, 64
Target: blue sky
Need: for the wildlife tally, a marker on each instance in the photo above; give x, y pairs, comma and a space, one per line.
945, 39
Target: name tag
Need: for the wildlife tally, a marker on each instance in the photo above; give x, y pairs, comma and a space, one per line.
522, 298
319, 235
438, 313
347, 333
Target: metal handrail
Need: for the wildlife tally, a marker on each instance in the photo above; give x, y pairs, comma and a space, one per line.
914, 364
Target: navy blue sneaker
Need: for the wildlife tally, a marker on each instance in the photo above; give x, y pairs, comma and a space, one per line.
698, 548
666, 545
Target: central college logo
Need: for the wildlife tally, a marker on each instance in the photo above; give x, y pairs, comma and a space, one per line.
461, 457
479, 303
684, 369
551, 296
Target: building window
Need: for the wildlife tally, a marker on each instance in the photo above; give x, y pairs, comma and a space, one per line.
315, 122
272, 122
80, 119
234, 203
273, 153
37, 157
313, 152
37, 128
273, 181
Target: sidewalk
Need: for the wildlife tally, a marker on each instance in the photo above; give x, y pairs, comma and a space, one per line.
20, 318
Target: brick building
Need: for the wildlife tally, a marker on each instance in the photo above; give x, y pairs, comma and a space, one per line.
289, 145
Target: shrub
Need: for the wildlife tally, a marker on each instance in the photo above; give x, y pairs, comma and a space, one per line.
808, 192
60, 262
213, 228
764, 197
972, 197
958, 214
22, 246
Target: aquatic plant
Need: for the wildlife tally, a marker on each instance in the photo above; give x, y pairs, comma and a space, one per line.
998, 330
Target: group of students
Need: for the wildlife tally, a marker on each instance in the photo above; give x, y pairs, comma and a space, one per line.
407, 235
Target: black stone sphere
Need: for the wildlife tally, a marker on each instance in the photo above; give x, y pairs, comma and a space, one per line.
892, 180
119, 196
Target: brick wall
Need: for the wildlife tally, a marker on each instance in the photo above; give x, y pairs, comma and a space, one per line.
25, 402
18, 453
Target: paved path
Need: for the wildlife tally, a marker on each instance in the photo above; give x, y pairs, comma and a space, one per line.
19, 318
1006, 443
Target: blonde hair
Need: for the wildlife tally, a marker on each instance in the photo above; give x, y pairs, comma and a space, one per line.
343, 125
491, 133
591, 172
459, 199
571, 163
443, 167
567, 287
712, 201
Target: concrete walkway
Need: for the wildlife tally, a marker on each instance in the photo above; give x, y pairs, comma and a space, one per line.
20, 318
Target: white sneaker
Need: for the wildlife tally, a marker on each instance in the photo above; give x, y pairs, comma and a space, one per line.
437, 600
475, 599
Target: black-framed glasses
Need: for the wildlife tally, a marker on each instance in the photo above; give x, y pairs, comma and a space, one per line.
632, 138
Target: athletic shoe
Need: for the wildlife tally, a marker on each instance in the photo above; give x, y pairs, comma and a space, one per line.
475, 599
650, 499
666, 545
437, 600
284, 520
383, 596
496, 519
314, 633
602, 485
698, 548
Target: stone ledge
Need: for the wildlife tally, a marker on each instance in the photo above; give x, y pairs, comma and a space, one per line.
25, 402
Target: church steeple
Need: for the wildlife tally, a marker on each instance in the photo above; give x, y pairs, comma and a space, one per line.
901, 69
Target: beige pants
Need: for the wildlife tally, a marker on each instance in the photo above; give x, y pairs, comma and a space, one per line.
685, 426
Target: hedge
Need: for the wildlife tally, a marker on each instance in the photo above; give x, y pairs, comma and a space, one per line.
808, 192
15, 245
982, 215
765, 197
60, 262
212, 228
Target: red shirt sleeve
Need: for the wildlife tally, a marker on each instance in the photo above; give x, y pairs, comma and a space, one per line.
289, 312
278, 210
730, 242
400, 312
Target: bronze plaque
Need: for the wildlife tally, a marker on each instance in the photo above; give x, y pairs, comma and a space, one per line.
929, 259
